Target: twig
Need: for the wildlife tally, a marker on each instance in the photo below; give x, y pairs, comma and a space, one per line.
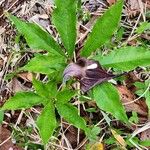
133, 28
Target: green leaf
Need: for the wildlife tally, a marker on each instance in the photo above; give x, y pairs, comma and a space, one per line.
119, 34
103, 29
140, 88
64, 18
93, 134
143, 26
47, 90
52, 88
36, 37
134, 118
65, 95
140, 85
107, 99
22, 100
143, 91
45, 64
1, 116
145, 143
147, 96
46, 122
70, 114
110, 141
126, 58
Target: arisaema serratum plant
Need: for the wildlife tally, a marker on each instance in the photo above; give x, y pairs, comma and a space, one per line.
54, 62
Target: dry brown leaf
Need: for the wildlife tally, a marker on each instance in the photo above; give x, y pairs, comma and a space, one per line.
71, 134
134, 5
133, 8
97, 146
111, 2
145, 36
2, 30
16, 86
132, 42
4, 135
27, 76
147, 2
126, 97
145, 135
42, 20
1, 63
119, 138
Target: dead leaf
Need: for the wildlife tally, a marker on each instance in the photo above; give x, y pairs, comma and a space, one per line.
42, 20
145, 36
119, 138
132, 42
1, 63
4, 135
111, 2
126, 97
133, 8
147, 3
27, 76
71, 134
145, 135
16, 86
2, 30
97, 146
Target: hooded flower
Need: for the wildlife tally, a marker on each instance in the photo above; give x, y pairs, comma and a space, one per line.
88, 72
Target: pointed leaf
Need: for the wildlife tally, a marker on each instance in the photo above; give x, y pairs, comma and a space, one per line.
65, 96
93, 133
145, 143
126, 58
46, 122
107, 99
143, 26
103, 29
70, 113
147, 96
36, 37
1, 116
22, 100
64, 18
45, 64
47, 90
